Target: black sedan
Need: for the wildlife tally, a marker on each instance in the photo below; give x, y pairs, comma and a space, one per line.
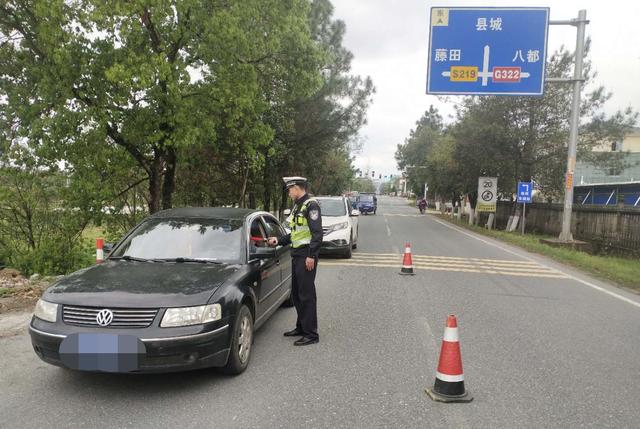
184, 289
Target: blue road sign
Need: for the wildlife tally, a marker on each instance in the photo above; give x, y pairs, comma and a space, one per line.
525, 190
487, 51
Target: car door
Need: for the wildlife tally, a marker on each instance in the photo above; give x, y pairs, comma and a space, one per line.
275, 229
354, 223
269, 269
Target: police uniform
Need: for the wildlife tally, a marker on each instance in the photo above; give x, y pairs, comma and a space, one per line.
305, 238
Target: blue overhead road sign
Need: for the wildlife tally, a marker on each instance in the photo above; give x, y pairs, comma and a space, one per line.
525, 191
487, 51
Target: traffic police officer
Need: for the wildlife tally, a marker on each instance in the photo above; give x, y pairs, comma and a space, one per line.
305, 238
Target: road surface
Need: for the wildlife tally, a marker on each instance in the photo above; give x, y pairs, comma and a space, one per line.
542, 346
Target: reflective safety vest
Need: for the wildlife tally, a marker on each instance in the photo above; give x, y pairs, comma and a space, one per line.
300, 232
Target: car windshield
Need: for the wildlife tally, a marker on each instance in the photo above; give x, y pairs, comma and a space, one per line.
332, 207
183, 240
366, 198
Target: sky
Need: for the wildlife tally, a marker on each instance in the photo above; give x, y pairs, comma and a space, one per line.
390, 42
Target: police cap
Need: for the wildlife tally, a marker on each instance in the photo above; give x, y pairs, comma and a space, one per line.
296, 180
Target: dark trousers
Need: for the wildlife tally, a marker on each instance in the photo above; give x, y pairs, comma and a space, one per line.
303, 293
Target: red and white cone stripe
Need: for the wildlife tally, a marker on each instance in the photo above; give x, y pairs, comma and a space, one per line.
407, 262
449, 384
99, 250
450, 364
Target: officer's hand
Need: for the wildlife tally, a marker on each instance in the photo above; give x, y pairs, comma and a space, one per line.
273, 241
310, 263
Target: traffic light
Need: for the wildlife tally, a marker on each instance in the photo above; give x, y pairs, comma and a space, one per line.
373, 174
380, 176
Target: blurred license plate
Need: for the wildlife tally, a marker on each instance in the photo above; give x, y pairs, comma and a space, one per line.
101, 352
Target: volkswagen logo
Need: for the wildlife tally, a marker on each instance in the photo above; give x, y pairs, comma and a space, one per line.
104, 317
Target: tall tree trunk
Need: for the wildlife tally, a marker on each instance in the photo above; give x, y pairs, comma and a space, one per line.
169, 183
243, 191
283, 201
155, 182
266, 197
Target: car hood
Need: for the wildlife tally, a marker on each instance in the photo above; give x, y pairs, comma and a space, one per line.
332, 220
140, 284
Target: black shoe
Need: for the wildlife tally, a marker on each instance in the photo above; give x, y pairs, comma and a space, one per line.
305, 341
294, 333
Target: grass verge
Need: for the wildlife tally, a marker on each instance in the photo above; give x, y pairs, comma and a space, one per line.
624, 272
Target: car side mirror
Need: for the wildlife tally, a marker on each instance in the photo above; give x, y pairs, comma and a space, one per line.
262, 253
355, 213
286, 212
107, 248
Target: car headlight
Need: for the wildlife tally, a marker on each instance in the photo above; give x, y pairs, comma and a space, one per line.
46, 311
337, 227
186, 316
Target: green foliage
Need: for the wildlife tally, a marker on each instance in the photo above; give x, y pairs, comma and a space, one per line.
413, 156
133, 106
37, 233
313, 125
363, 184
512, 138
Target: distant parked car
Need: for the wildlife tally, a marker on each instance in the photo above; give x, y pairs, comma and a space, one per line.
367, 203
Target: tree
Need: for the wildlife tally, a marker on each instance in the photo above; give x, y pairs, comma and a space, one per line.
326, 123
412, 156
520, 138
37, 234
313, 126
363, 184
150, 79
514, 138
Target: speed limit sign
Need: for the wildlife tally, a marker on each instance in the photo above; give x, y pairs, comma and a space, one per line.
487, 194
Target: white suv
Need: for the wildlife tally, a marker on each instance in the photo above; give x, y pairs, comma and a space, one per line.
339, 225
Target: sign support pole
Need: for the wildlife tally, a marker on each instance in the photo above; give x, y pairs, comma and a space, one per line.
580, 23
524, 209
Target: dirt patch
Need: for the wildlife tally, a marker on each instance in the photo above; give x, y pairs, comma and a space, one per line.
18, 293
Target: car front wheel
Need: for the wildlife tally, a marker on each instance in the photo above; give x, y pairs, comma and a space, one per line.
241, 343
348, 252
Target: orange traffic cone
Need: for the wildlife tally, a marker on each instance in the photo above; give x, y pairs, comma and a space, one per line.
449, 384
99, 250
407, 262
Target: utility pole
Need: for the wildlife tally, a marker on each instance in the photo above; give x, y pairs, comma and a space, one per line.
581, 23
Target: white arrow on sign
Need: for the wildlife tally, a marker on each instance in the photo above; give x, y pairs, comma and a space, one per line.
485, 74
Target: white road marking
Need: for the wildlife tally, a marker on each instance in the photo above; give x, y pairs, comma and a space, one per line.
448, 258
584, 282
386, 222
456, 264
432, 267
402, 215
